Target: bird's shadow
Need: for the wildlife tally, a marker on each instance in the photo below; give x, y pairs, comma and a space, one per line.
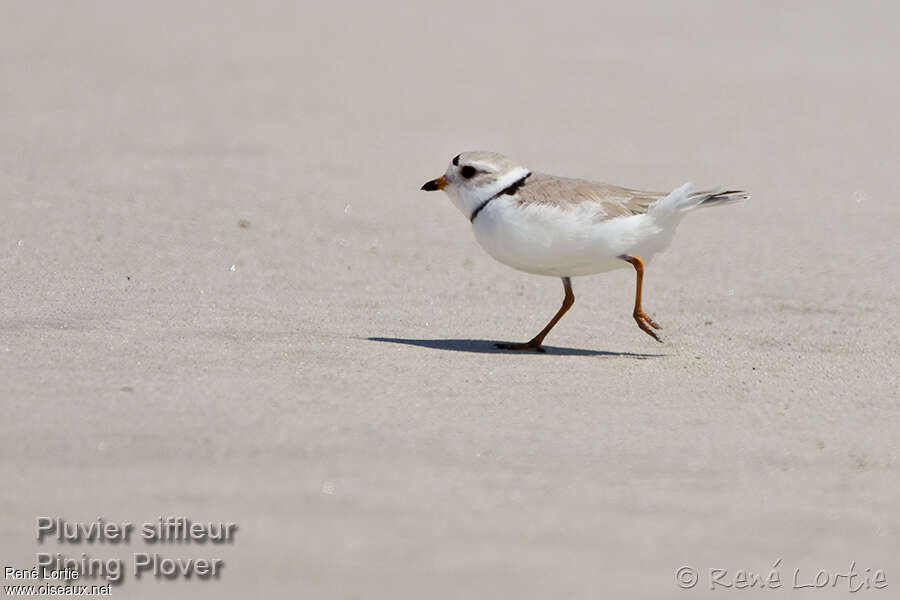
489, 347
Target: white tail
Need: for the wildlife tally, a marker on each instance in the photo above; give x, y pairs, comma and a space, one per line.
684, 199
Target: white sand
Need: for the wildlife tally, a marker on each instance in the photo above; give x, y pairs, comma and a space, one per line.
158, 359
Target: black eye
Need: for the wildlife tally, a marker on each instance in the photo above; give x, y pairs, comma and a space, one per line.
468, 172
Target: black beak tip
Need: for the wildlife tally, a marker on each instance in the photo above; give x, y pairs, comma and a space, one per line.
429, 186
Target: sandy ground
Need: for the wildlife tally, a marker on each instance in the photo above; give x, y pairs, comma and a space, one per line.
225, 298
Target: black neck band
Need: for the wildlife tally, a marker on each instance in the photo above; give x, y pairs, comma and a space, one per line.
510, 189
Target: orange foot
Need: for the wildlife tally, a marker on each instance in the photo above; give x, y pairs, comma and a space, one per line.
644, 321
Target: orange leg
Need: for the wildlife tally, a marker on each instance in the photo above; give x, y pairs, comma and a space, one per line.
643, 319
535, 342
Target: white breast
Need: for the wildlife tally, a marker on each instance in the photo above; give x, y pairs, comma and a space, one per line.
565, 241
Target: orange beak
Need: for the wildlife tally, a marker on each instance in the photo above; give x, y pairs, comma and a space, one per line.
435, 184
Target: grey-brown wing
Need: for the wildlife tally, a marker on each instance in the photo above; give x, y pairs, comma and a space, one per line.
611, 200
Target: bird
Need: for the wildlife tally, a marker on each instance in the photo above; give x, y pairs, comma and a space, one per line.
563, 227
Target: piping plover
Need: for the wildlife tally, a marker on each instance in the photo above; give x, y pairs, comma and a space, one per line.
563, 227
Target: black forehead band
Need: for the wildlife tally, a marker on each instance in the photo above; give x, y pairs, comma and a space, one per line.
456, 160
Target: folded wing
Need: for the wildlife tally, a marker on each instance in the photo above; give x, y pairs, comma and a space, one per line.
609, 201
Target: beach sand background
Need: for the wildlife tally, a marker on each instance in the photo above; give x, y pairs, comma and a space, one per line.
223, 296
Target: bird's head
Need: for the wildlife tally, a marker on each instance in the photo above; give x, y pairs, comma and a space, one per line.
474, 177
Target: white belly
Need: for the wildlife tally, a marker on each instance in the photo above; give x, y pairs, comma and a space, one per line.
565, 242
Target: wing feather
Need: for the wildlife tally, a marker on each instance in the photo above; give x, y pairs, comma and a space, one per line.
611, 201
